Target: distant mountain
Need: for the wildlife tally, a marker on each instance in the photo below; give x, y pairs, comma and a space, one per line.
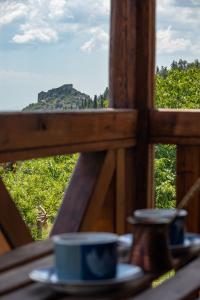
61, 98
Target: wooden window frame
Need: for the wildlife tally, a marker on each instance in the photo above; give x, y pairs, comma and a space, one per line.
114, 174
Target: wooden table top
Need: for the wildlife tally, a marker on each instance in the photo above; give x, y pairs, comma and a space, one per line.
17, 264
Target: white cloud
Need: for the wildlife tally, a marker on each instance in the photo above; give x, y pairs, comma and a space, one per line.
58, 9
10, 11
163, 4
34, 33
167, 42
102, 7
179, 13
88, 46
98, 40
45, 21
89, 8
178, 23
69, 27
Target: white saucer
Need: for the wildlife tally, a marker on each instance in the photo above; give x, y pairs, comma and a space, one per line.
191, 241
125, 274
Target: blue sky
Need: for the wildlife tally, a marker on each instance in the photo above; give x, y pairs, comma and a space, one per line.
47, 43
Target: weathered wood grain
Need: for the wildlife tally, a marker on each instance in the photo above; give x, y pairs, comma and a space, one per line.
188, 171
132, 54
122, 82
11, 223
144, 101
4, 246
67, 149
21, 132
18, 277
183, 286
22, 255
120, 192
79, 193
32, 292
107, 219
15, 284
96, 202
123, 47
175, 127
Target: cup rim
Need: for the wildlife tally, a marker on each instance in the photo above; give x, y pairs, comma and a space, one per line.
157, 213
85, 238
147, 221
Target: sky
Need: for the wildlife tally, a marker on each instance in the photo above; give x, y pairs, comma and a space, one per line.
47, 43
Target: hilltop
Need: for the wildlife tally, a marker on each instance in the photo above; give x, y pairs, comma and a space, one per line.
64, 97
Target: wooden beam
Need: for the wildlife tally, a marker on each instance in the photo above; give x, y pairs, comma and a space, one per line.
144, 101
166, 126
11, 223
4, 246
132, 51
95, 205
79, 193
107, 218
24, 254
17, 278
183, 286
122, 54
188, 171
175, 127
122, 90
67, 149
24, 132
17, 285
121, 192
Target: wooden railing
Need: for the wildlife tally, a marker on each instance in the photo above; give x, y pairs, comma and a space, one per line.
24, 136
108, 133
114, 174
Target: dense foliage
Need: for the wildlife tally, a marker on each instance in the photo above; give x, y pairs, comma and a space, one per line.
165, 176
178, 87
37, 186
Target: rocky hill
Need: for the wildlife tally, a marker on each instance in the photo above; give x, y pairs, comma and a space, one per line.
61, 98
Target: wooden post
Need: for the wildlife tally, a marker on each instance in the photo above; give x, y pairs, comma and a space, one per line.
12, 226
93, 211
4, 246
145, 77
120, 192
85, 196
132, 51
188, 171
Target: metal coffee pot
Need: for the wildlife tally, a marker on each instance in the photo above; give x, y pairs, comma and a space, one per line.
151, 244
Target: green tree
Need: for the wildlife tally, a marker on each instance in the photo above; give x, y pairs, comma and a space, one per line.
39, 182
95, 103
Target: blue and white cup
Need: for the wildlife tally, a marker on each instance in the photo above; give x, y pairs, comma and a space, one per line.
176, 228
85, 256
